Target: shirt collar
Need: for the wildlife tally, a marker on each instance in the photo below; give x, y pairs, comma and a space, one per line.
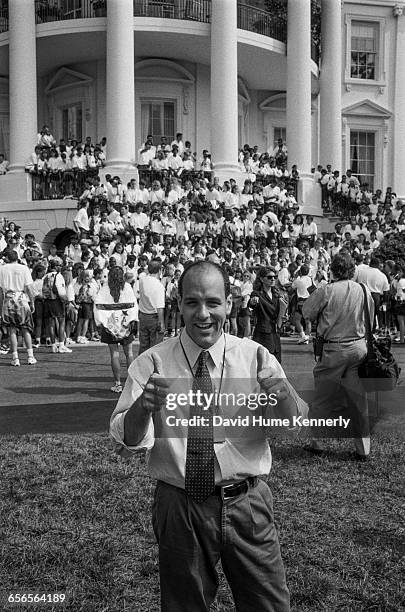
193, 351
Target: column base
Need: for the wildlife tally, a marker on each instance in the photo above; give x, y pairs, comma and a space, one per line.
126, 173
16, 186
309, 196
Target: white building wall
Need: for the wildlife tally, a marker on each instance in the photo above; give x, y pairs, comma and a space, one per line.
380, 92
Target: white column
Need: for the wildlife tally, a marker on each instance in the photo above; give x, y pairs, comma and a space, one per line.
299, 132
23, 82
398, 182
299, 84
331, 85
120, 85
224, 86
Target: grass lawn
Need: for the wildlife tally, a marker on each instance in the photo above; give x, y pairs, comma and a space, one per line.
75, 518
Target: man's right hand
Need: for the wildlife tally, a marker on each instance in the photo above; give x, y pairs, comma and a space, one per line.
154, 394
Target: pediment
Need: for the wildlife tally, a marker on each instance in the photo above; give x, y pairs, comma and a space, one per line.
367, 108
66, 78
162, 70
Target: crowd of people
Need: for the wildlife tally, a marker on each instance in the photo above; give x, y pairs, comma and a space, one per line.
257, 234
59, 170
180, 256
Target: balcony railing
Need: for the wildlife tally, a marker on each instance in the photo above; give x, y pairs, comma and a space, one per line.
250, 18
60, 10
190, 10
261, 22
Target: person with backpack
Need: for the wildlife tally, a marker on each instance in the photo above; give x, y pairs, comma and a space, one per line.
54, 294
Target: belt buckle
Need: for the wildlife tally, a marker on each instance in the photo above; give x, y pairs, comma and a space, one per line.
224, 490
233, 486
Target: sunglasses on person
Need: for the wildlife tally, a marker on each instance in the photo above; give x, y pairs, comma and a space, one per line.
270, 277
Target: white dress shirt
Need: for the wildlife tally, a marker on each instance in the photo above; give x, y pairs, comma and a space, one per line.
240, 452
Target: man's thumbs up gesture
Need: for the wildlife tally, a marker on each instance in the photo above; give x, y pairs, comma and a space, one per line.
154, 394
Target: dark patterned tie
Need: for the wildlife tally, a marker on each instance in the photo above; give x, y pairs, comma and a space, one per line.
200, 472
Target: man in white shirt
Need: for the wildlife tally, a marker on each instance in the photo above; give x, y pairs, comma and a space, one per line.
45, 138
178, 143
73, 252
352, 227
175, 162
139, 220
280, 152
318, 251
140, 194
151, 307
115, 191
271, 193
107, 228
16, 295
33, 160
159, 163
309, 228
220, 473
112, 214
156, 194
79, 160
145, 155
376, 281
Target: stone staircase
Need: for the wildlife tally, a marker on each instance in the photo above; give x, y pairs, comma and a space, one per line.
327, 222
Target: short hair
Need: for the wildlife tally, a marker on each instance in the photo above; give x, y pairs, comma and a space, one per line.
304, 270
154, 266
10, 254
204, 265
375, 262
342, 266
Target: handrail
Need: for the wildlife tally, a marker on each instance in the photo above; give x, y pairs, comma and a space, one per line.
262, 22
250, 18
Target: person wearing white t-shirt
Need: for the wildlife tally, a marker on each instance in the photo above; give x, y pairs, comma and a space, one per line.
159, 163
178, 143
81, 222
146, 154
301, 285
139, 220
151, 307
376, 281
309, 228
16, 295
175, 162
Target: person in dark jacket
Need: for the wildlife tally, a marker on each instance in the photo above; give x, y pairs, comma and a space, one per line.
265, 303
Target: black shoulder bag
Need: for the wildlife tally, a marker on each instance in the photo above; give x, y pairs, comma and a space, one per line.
379, 370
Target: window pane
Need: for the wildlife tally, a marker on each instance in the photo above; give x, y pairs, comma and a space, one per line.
279, 132
362, 156
168, 121
158, 119
72, 121
363, 50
